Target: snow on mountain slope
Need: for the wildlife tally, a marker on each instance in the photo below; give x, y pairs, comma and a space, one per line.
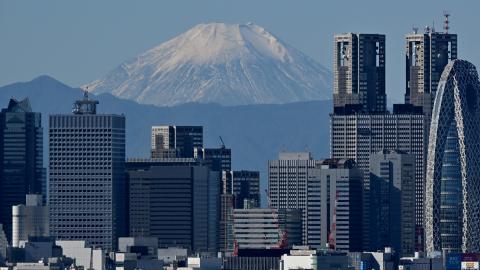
230, 64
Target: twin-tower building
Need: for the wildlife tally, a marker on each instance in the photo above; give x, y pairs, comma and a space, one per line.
438, 129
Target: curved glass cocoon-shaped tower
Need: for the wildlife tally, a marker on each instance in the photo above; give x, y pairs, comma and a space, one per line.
457, 106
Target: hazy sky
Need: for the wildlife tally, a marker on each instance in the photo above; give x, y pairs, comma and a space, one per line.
79, 41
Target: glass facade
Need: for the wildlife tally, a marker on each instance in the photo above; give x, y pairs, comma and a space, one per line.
451, 206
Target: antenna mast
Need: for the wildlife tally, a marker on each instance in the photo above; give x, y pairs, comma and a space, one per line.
446, 25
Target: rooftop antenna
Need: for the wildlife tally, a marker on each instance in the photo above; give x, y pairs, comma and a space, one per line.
446, 23
415, 29
433, 26
85, 93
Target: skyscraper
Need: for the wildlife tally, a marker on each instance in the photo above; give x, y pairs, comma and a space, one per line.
457, 101
426, 56
246, 188
356, 136
359, 68
392, 179
359, 130
21, 158
179, 141
217, 159
334, 205
176, 200
287, 182
87, 175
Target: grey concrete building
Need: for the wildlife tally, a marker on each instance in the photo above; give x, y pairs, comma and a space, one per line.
263, 228
87, 175
21, 158
359, 68
356, 136
176, 141
287, 182
176, 200
334, 205
392, 179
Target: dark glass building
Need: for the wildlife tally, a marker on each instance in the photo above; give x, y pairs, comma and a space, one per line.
21, 160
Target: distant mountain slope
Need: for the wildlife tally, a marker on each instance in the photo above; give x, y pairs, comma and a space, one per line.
229, 64
255, 133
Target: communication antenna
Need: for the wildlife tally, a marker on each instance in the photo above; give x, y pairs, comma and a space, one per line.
446, 24
415, 29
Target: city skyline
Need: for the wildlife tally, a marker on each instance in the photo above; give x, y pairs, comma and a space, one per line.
195, 155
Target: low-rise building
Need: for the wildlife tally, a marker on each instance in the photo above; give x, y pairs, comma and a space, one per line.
261, 228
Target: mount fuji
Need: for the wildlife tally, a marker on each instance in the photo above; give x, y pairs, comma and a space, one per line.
229, 64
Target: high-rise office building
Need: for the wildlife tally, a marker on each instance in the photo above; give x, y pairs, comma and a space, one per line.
287, 182
30, 219
427, 54
176, 141
359, 68
334, 205
262, 228
457, 101
356, 136
246, 189
176, 200
392, 180
359, 130
87, 175
217, 159
21, 158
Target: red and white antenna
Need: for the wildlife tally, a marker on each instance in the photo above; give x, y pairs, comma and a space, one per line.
446, 23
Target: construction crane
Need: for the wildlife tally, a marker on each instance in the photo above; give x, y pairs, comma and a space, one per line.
222, 145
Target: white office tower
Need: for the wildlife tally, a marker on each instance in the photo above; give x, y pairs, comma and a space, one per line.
287, 182
31, 219
87, 175
334, 205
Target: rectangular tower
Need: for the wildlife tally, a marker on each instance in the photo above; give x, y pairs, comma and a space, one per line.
334, 206
392, 178
359, 69
426, 55
287, 182
356, 136
21, 158
87, 175
183, 139
246, 189
176, 200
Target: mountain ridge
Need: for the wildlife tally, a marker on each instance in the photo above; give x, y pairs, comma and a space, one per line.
230, 64
255, 133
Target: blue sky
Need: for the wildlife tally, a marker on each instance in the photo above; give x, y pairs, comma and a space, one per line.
79, 41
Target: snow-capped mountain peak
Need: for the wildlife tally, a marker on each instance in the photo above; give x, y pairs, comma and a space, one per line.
217, 62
